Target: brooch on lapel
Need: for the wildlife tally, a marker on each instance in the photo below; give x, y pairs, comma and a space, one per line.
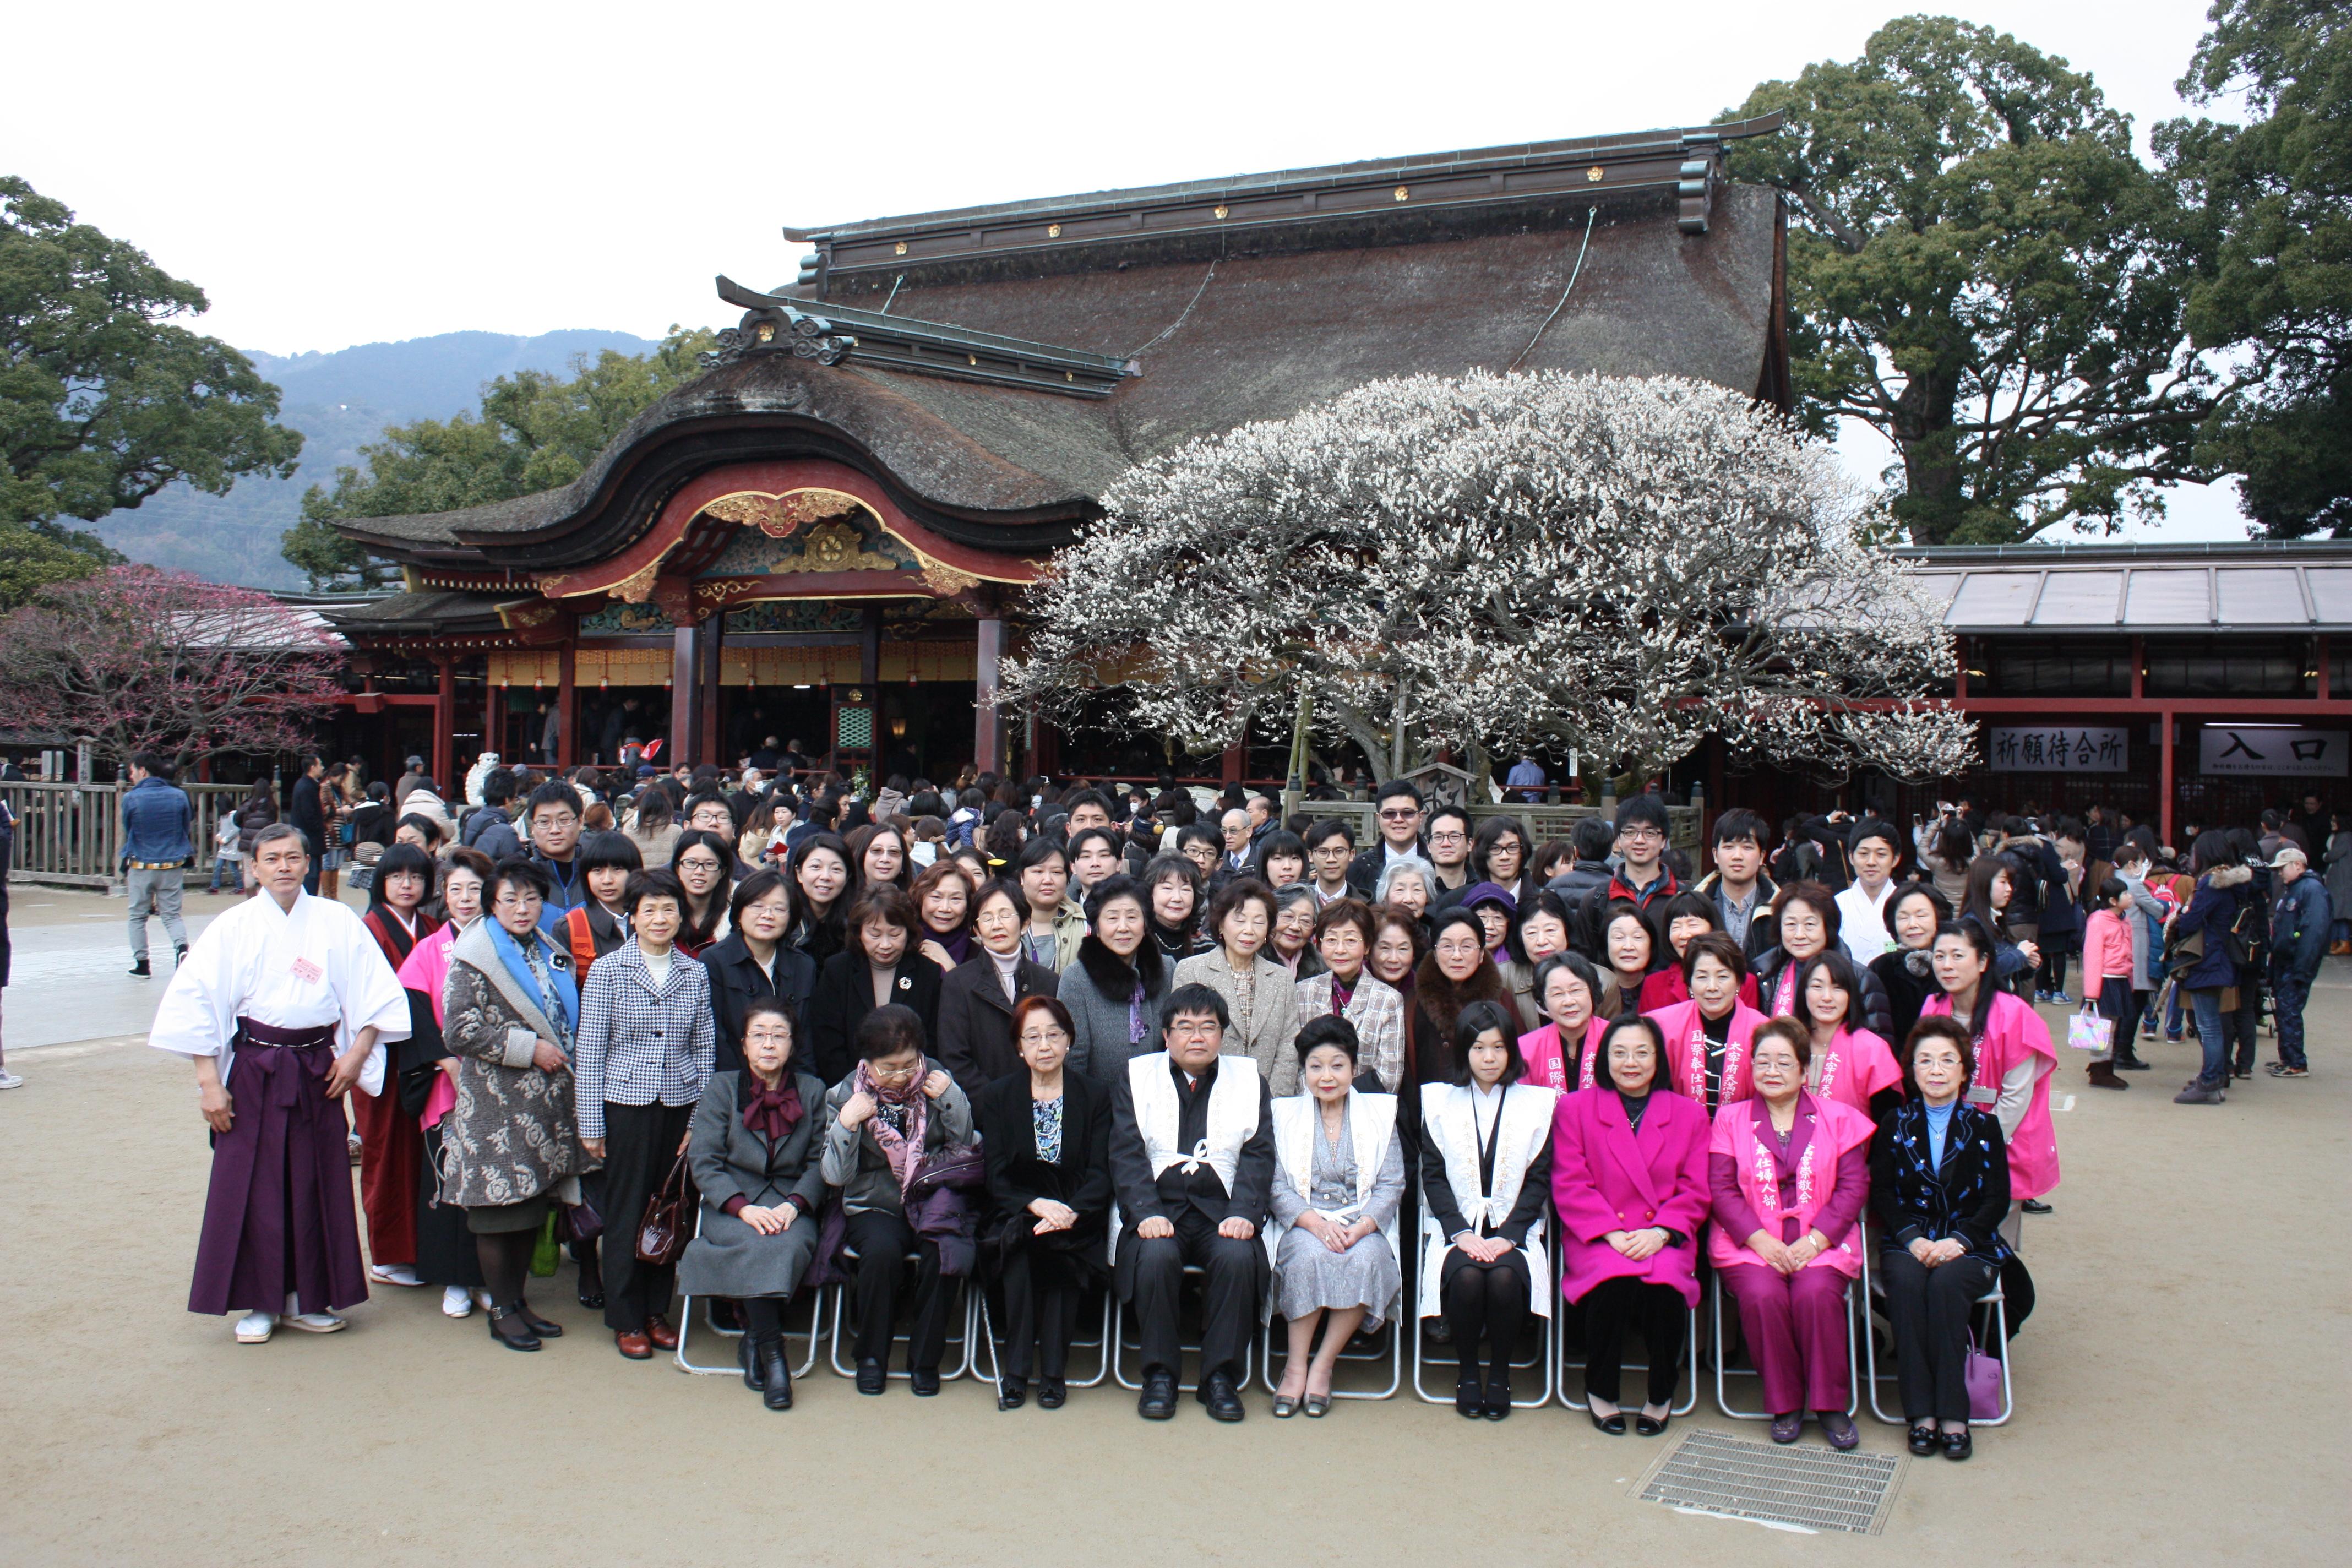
905, 982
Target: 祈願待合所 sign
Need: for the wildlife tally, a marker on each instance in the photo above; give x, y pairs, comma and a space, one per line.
2274, 749
2057, 749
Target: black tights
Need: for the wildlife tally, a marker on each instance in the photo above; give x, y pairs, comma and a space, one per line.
505, 1263
763, 1317
1486, 1302
1615, 1307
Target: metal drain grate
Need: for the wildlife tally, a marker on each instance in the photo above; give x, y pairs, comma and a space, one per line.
1811, 1487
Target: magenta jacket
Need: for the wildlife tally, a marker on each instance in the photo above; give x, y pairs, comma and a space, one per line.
1605, 1177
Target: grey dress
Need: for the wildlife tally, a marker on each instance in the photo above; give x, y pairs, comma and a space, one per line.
728, 1257
1309, 1276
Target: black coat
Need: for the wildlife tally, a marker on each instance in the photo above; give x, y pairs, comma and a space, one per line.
736, 983
1965, 1197
844, 995
1016, 1176
975, 1033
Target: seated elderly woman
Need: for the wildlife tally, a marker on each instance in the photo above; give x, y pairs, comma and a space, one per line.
754, 1146
1338, 1181
511, 1143
1939, 1187
1789, 1172
1046, 1131
1629, 1174
897, 1108
1486, 1164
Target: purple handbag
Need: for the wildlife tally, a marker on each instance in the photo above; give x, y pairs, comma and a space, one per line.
1981, 1373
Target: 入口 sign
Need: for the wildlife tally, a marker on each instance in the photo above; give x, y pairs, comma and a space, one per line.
2057, 749
2274, 749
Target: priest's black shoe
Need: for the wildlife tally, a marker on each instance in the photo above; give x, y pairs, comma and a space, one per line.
1217, 1393
775, 1375
1013, 1393
1157, 1401
1051, 1393
924, 1381
873, 1378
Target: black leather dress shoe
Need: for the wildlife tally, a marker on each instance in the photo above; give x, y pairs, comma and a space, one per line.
1013, 1393
873, 1378
924, 1381
775, 1375
1612, 1425
2035, 1206
508, 1329
747, 1351
1498, 1396
1469, 1395
1218, 1393
539, 1325
1924, 1440
1958, 1444
1157, 1401
1052, 1393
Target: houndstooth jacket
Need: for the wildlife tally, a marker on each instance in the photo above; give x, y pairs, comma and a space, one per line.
640, 1042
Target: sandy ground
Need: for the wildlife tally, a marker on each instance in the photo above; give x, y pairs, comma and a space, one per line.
2176, 1387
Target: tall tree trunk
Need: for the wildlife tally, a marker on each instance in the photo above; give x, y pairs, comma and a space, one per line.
1933, 502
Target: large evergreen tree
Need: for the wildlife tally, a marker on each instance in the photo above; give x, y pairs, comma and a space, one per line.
1981, 267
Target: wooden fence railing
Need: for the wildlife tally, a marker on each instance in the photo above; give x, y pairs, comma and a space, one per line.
73, 833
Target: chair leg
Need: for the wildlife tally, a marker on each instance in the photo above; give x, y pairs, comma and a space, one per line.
1102, 1371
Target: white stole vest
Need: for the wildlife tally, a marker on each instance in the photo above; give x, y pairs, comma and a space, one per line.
1233, 1115
1523, 1129
1372, 1123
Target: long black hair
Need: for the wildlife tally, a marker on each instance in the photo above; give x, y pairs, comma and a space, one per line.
696, 930
1981, 942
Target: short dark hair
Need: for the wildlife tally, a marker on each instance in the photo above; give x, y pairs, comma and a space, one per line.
1740, 823
1320, 832
1592, 837
1878, 827
514, 870
1193, 998
1054, 1008
1346, 910
1646, 809
1076, 798
608, 852
887, 1031
1718, 946
1395, 787
395, 860
554, 792
1462, 812
703, 797
1329, 1030
497, 786
1799, 1038
763, 1006
752, 889
1815, 896
1475, 1020
153, 762
428, 828
1660, 1077
1939, 1026
643, 884
884, 901
1035, 851
1281, 842
1231, 897
1842, 975
1198, 833
1085, 836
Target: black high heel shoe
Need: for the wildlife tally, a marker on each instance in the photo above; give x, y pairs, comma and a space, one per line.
1612, 1425
517, 1338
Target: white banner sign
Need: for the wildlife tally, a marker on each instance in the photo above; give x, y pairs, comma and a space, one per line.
2057, 749
2286, 750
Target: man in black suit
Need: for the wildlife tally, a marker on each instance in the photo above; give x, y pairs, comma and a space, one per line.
1193, 1160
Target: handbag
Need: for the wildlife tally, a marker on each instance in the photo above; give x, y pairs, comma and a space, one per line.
662, 1233
961, 1167
2087, 1031
1981, 1374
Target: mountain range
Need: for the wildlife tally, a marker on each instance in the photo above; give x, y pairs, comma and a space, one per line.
340, 401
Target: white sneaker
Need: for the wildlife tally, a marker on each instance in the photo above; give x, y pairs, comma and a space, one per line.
457, 1302
10, 1080
394, 1274
315, 1322
253, 1329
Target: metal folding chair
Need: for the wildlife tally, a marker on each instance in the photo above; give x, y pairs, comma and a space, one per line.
1876, 1298
960, 1343
1546, 1357
1394, 1355
1690, 1342
1852, 1352
686, 1330
1100, 1344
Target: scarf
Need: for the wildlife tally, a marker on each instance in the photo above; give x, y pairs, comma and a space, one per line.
903, 1151
559, 998
958, 944
773, 1114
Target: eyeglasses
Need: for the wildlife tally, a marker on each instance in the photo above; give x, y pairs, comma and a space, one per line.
1398, 814
1639, 832
881, 1074
699, 863
514, 900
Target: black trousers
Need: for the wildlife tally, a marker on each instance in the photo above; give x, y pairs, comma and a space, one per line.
1484, 1301
640, 1145
1612, 1307
882, 1241
1929, 1309
1229, 1303
1042, 1287
446, 1252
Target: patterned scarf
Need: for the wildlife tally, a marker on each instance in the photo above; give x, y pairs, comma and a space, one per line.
906, 1107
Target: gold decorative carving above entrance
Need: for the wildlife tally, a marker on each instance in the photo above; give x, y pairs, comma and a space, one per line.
780, 517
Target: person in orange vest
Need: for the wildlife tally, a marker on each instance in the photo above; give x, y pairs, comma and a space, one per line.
600, 924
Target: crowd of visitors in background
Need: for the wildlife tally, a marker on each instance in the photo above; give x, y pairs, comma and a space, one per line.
1055, 1041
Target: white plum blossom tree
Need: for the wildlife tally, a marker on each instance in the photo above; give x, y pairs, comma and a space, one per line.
1622, 566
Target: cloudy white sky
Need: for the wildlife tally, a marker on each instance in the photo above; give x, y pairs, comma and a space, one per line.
333, 174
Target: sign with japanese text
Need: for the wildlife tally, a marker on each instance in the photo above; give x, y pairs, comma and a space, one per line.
2274, 750
2057, 749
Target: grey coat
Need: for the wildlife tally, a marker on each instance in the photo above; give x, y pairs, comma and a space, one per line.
728, 1257
513, 1133
2339, 858
1274, 1011
855, 1163
1099, 1046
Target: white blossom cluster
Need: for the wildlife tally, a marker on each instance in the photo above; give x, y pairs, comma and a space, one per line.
1620, 566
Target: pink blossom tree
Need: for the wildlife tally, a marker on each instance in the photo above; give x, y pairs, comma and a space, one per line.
134, 660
